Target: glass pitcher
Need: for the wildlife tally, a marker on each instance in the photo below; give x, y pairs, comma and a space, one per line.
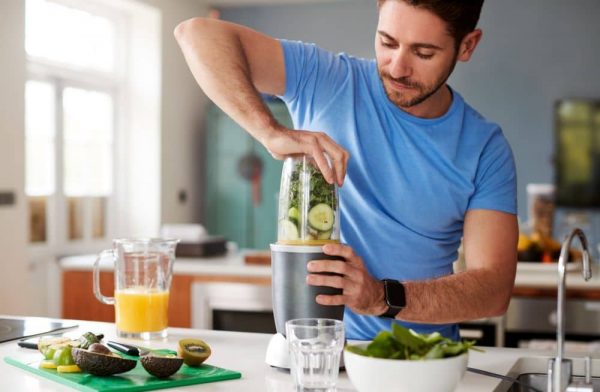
308, 205
143, 269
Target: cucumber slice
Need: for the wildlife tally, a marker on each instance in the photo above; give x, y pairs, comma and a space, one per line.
325, 235
293, 214
288, 230
321, 217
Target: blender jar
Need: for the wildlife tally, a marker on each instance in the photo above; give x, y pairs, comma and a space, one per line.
308, 205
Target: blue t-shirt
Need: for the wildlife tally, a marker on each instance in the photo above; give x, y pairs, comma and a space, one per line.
410, 181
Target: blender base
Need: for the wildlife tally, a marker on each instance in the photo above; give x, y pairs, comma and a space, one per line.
278, 354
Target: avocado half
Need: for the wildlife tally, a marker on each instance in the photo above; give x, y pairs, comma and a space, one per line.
161, 366
101, 364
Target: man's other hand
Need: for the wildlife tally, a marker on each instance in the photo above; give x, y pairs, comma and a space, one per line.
360, 291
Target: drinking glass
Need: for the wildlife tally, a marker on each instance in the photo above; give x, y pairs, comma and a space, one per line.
315, 346
143, 271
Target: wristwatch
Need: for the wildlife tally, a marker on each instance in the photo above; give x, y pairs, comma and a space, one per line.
395, 297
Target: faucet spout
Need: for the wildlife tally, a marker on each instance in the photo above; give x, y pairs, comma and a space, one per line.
560, 376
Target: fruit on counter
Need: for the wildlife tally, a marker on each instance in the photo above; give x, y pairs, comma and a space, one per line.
49, 344
63, 356
87, 339
539, 247
48, 364
101, 364
193, 351
68, 369
161, 366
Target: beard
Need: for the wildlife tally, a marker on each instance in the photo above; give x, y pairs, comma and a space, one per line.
418, 93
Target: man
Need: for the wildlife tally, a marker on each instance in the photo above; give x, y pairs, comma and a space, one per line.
425, 169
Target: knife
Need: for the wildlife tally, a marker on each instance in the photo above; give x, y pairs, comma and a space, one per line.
126, 348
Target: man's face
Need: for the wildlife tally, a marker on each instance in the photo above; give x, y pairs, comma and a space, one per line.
414, 51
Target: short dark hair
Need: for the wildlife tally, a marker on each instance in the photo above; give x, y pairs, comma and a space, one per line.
460, 15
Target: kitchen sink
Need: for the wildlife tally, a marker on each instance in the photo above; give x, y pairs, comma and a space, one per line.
539, 381
532, 371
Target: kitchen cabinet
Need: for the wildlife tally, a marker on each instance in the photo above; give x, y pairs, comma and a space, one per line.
232, 207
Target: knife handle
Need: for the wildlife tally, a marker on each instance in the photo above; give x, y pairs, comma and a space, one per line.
124, 348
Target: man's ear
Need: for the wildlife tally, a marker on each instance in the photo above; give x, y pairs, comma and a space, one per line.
468, 45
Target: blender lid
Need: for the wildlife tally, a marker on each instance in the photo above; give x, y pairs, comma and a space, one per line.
297, 248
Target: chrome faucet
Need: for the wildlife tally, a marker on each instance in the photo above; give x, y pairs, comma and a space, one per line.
559, 368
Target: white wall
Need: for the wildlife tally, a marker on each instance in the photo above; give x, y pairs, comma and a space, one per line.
182, 110
14, 285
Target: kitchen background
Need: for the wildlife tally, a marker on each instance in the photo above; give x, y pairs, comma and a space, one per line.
534, 52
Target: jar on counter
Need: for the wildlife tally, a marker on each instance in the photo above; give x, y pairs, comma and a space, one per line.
541, 208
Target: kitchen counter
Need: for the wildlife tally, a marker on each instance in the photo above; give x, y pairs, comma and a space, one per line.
245, 352
529, 275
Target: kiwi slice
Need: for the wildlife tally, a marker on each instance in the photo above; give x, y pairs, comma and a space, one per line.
193, 351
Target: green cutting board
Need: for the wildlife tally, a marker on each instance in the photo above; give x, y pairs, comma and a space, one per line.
137, 379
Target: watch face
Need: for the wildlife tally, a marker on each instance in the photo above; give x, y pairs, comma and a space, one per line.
395, 294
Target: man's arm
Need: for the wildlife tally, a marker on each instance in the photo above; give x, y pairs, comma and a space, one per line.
232, 63
483, 290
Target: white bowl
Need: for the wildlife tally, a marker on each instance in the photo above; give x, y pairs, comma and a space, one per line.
369, 374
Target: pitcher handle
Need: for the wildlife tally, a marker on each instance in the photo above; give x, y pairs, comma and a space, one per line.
97, 293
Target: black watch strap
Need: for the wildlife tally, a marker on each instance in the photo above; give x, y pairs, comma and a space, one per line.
394, 296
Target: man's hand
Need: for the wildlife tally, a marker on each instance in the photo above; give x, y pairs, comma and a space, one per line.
360, 291
284, 142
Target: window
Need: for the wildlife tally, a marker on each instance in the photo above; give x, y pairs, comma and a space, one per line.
81, 120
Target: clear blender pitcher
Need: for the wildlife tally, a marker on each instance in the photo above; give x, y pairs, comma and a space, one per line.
308, 205
143, 269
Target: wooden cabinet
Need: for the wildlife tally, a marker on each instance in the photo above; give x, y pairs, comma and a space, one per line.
79, 302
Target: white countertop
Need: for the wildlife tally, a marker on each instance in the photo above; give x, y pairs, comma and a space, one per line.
245, 352
528, 274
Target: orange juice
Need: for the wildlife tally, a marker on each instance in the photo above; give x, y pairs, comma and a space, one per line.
141, 310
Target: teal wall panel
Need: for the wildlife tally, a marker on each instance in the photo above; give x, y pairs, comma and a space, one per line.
229, 207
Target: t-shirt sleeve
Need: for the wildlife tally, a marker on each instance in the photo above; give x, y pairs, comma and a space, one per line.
313, 76
495, 179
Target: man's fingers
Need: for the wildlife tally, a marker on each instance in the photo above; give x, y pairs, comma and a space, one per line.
331, 300
325, 280
339, 250
339, 156
333, 266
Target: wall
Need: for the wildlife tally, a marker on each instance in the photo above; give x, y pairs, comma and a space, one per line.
14, 285
533, 53
182, 111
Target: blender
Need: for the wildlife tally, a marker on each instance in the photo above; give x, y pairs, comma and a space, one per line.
308, 218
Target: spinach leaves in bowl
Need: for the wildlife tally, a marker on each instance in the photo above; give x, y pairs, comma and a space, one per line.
404, 343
